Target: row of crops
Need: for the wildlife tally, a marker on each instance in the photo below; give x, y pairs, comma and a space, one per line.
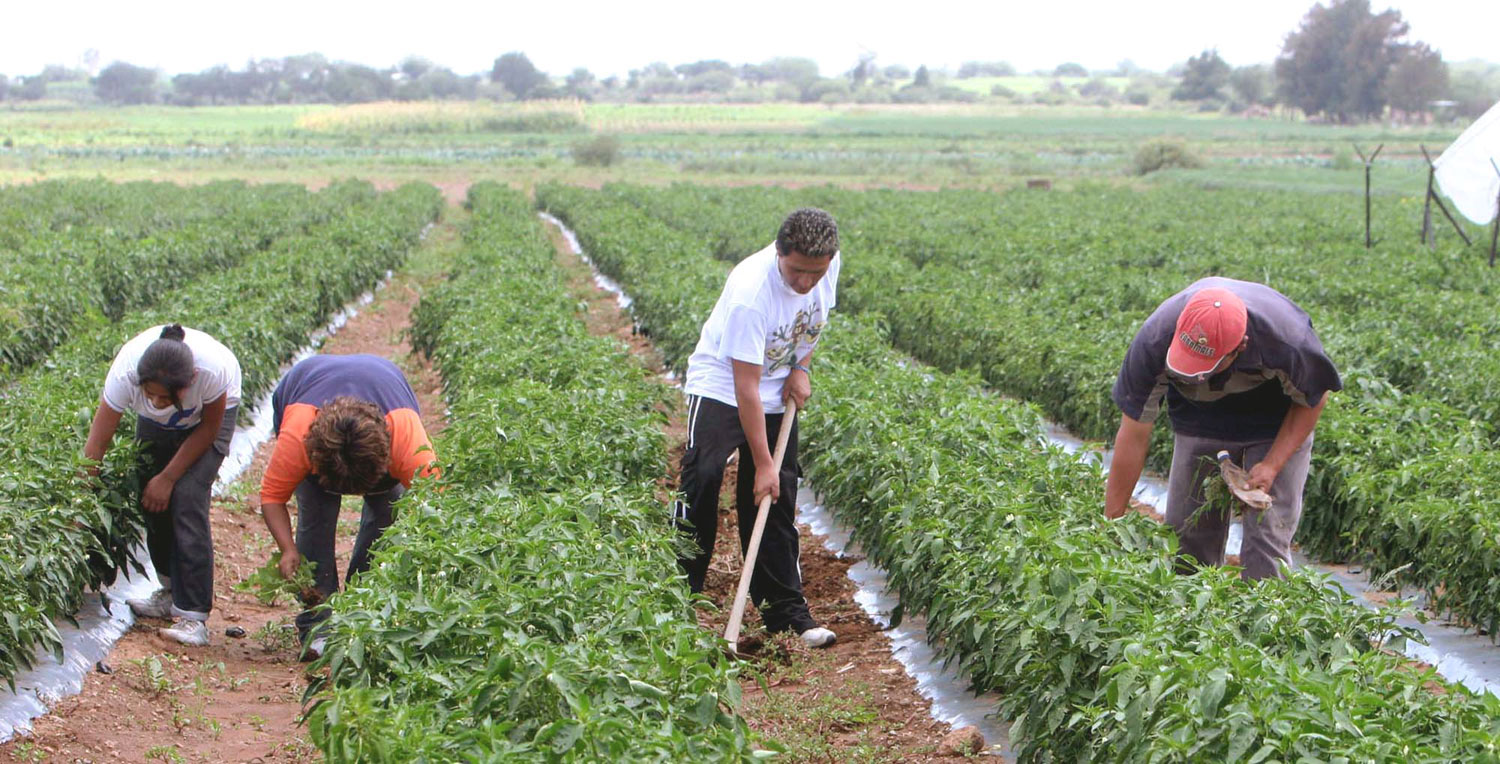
527, 605
1040, 295
77, 255
60, 535
1098, 649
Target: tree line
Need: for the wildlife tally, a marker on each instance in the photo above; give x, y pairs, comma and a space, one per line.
1344, 62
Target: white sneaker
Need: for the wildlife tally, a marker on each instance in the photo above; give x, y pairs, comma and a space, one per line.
188, 631
158, 605
819, 637
314, 649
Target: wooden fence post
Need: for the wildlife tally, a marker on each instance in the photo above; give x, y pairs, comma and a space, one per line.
1368, 161
1432, 197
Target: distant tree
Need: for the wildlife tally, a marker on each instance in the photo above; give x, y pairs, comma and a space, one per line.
1418, 78
208, 86
4, 87
696, 68
1252, 84
1476, 87
33, 88
579, 84
660, 69
1100, 89
922, 79
302, 78
896, 72
985, 69
1070, 69
1336, 62
413, 67
357, 83
755, 74
517, 74
799, 72
828, 91
1127, 68
443, 83
59, 73
864, 71
122, 83
715, 81
1205, 78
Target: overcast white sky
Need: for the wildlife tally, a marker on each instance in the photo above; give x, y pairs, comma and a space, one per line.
614, 36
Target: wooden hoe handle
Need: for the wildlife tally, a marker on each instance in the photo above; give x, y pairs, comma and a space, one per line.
737, 612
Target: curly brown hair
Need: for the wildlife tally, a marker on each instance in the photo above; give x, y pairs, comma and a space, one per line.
808, 231
349, 446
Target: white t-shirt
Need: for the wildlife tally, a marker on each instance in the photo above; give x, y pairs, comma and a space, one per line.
759, 319
218, 375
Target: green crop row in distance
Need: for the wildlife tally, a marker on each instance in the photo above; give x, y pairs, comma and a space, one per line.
67, 278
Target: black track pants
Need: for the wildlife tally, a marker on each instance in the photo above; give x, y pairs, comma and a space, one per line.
714, 433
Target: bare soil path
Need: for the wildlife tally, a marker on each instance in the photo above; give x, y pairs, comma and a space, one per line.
239, 699
850, 702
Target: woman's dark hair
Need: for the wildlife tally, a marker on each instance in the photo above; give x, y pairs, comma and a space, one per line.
349, 446
168, 362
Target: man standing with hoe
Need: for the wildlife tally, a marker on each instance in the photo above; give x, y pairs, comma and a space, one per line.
1242, 371
753, 358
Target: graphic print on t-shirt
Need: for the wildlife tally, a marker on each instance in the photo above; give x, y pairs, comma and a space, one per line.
175, 421
783, 342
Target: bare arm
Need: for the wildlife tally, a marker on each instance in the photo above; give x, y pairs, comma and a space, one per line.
798, 385
101, 430
198, 443
1131, 442
1299, 423
279, 523
159, 489
753, 422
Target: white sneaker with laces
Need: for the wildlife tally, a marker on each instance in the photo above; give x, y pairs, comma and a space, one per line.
819, 637
158, 605
188, 631
314, 649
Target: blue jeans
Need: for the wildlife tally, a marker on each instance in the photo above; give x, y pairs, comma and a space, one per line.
317, 530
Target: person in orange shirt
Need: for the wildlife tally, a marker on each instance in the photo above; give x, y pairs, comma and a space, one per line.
345, 425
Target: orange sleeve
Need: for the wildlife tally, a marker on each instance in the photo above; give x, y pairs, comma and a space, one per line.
411, 451
289, 464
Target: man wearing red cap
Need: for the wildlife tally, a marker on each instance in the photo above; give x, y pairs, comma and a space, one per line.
1241, 370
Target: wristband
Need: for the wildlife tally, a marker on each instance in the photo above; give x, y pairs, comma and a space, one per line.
803, 368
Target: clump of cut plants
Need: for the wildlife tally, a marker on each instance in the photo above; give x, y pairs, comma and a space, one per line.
269, 586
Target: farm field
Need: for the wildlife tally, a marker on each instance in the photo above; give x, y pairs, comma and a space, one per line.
527, 605
1031, 603
926, 146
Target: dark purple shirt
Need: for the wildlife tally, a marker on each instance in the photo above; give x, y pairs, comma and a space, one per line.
321, 378
1283, 363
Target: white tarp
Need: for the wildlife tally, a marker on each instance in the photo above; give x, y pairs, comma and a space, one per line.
1465, 172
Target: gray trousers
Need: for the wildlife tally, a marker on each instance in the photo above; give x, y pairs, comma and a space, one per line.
180, 540
317, 532
1268, 535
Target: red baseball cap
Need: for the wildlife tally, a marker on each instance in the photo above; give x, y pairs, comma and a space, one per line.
1211, 326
